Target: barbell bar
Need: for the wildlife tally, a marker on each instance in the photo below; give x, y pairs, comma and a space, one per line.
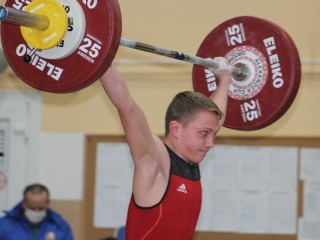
22, 18
41, 22
264, 59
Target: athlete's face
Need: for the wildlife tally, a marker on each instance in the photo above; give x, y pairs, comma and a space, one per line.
197, 137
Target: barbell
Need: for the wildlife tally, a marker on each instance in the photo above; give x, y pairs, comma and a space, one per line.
69, 44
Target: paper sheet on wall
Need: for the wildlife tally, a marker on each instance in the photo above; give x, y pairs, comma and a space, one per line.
311, 201
114, 171
253, 212
111, 207
282, 213
308, 230
309, 224
222, 206
219, 169
310, 164
254, 169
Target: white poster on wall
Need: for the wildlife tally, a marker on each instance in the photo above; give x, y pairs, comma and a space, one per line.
309, 224
249, 189
245, 189
114, 172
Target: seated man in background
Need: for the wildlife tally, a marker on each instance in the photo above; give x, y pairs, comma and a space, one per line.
32, 219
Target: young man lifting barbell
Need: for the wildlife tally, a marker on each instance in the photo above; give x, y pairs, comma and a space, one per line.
166, 197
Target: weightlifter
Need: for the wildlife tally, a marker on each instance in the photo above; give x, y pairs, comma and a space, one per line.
166, 197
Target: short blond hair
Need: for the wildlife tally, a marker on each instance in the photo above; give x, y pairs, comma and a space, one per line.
185, 105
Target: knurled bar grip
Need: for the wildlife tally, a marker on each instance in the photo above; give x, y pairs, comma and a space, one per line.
21, 18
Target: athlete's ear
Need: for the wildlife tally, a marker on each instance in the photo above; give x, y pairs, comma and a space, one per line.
175, 128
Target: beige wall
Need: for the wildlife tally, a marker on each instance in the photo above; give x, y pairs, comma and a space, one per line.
182, 25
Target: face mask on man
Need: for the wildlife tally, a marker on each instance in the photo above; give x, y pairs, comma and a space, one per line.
35, 216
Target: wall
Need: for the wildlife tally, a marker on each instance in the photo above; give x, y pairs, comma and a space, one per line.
184, 30
180, 25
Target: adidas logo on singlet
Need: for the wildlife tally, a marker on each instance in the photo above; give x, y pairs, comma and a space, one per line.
182, 188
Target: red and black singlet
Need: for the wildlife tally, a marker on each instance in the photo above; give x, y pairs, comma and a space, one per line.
176, 215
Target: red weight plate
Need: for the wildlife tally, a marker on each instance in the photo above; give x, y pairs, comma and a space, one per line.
273, 62
84, 64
